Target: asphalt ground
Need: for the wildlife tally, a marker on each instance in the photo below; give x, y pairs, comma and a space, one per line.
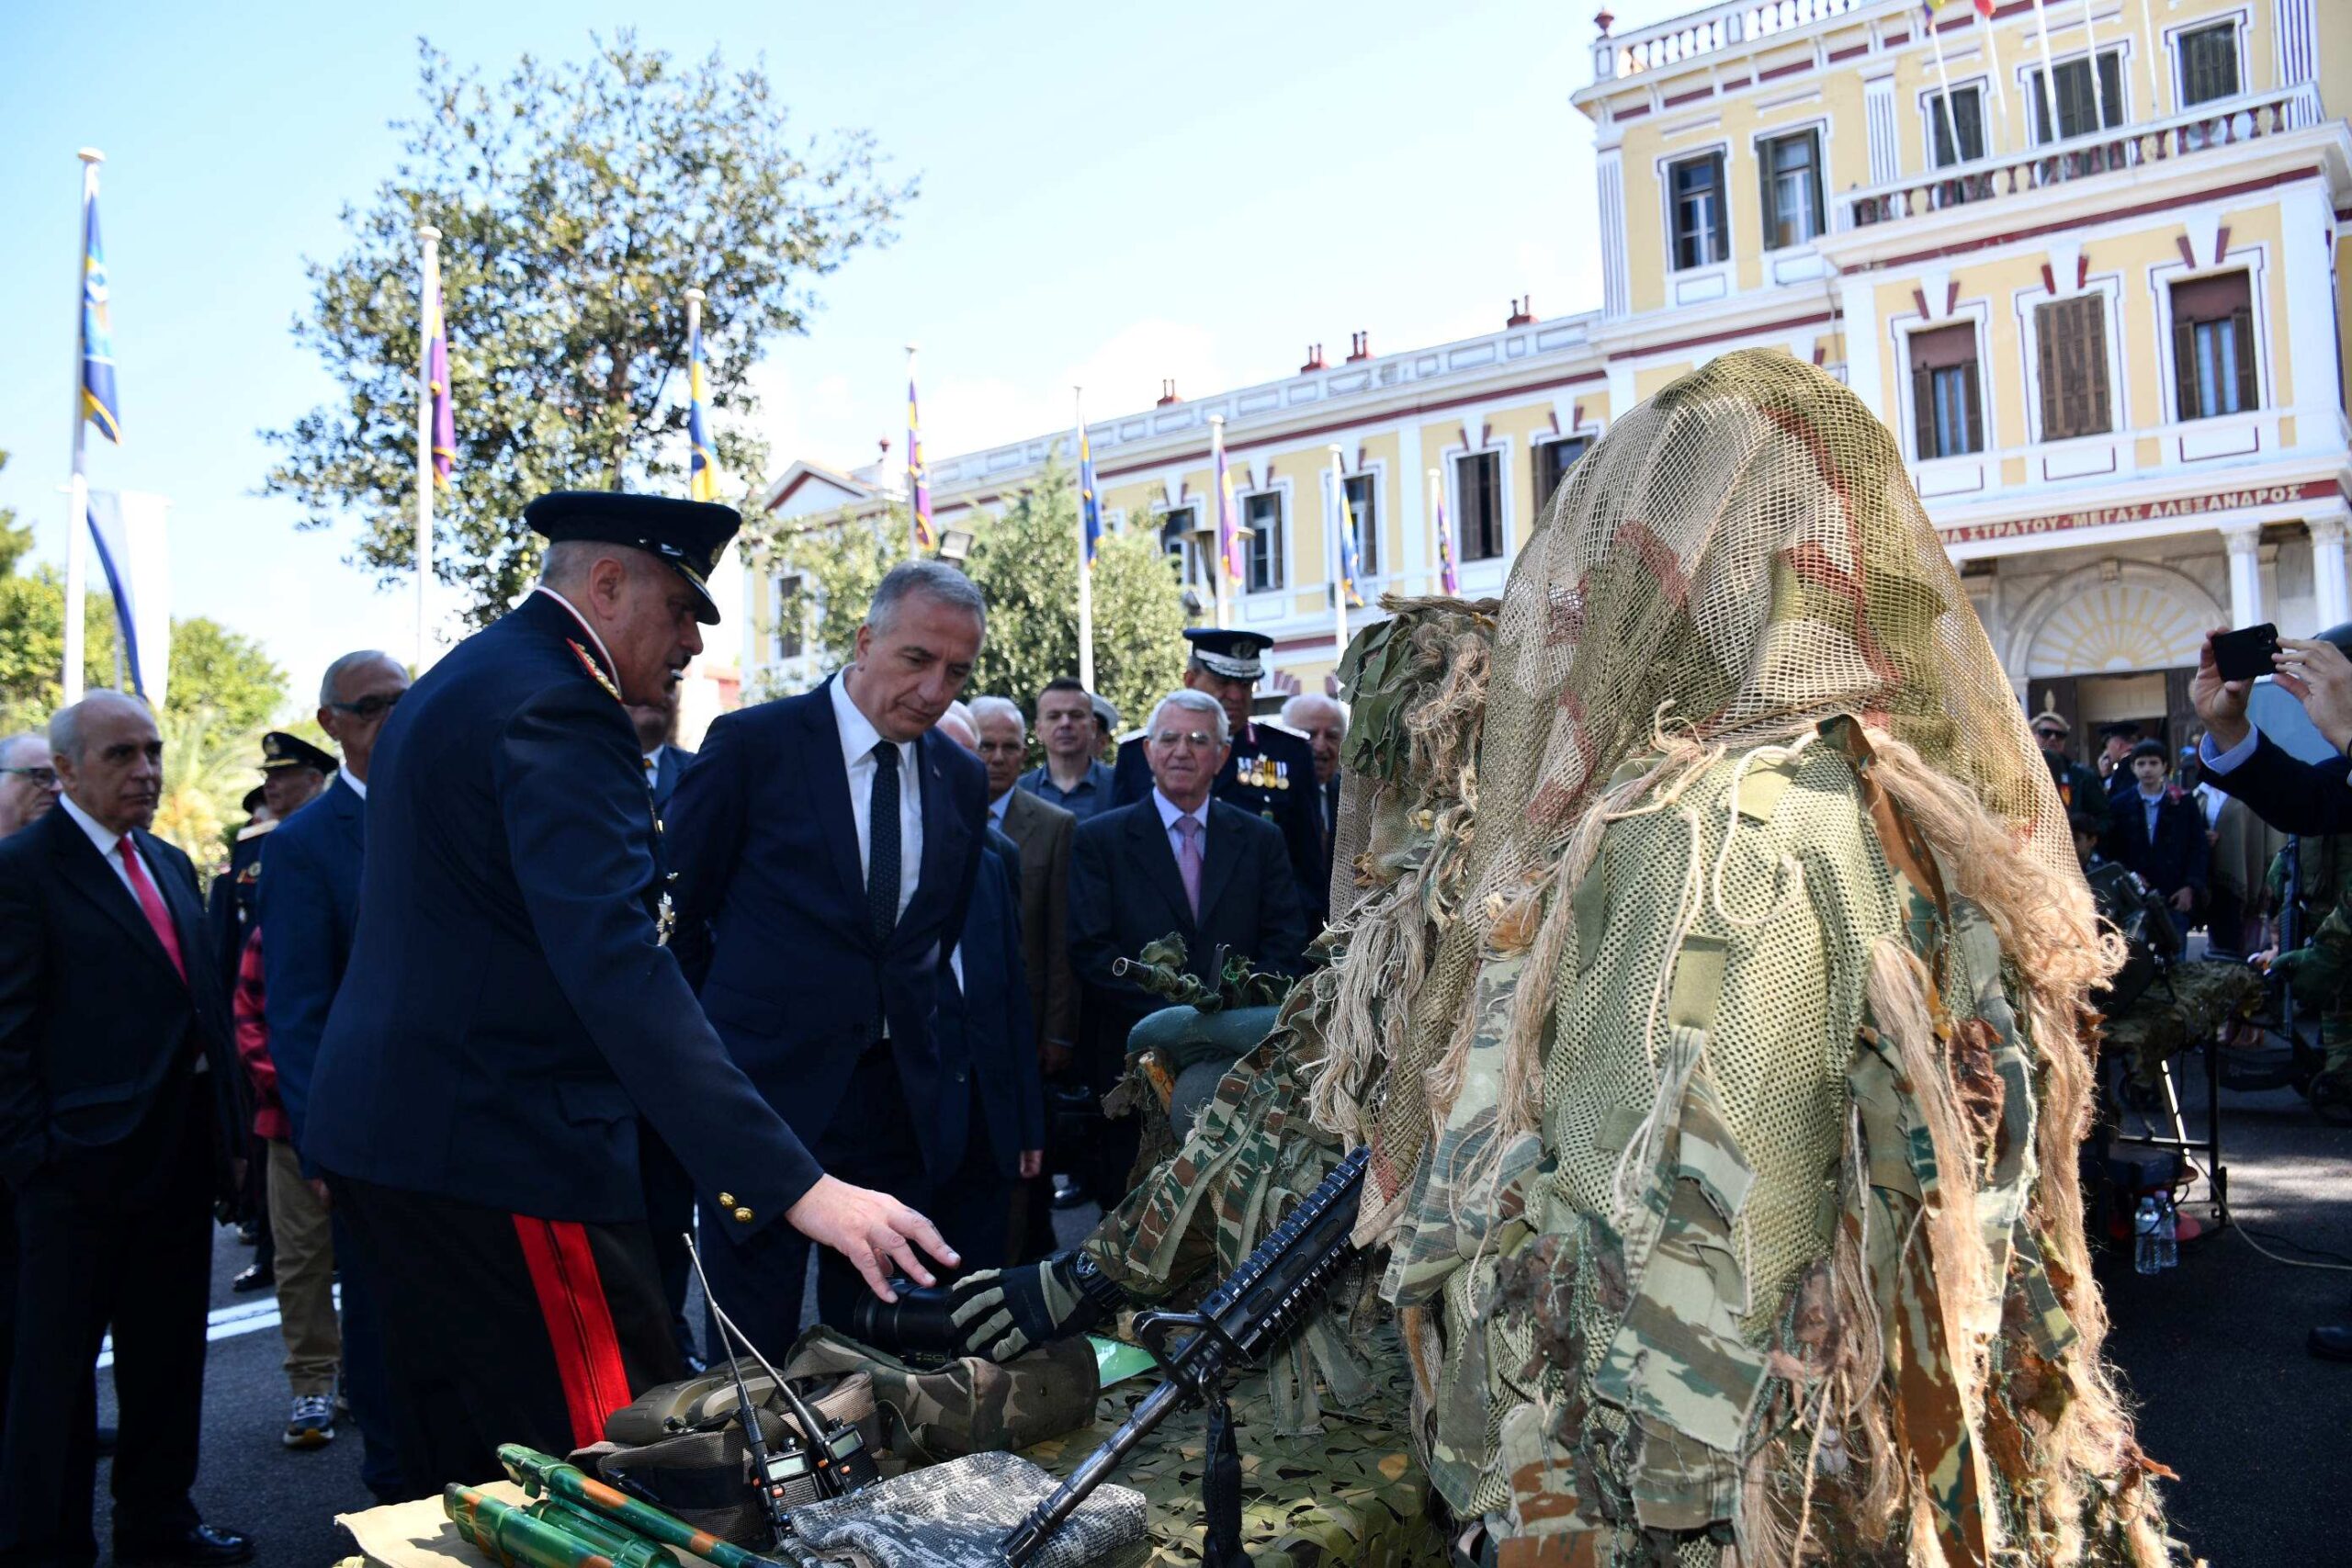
2211, 1352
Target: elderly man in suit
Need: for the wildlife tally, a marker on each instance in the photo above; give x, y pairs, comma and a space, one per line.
511, 1010
1044, 833
657, 737
28, 781
826, 847
1325, 724
117, 1108
1181, 861
307, 907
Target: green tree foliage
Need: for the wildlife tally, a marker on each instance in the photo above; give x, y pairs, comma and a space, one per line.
1024, 562
576, 203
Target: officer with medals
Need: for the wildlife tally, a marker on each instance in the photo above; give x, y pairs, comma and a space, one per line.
292, 771
1271, 772
510, 1011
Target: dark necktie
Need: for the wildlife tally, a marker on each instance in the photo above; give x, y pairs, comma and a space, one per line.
882, 854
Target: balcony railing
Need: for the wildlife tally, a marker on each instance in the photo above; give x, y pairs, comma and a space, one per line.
1704, 33
2226, 122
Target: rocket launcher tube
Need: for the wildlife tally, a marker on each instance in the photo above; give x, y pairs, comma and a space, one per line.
515, 1538
542, 1475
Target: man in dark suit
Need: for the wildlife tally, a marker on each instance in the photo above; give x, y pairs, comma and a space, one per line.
511, 1010
308, 905
826, 846
2160, 834
2286, 792
117, 1108
1268, 772
1177, 860
1325, 724
669, 1191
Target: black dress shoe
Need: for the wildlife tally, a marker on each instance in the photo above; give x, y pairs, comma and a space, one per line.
255, 1278
1071, 1195
200, 1544
2331, 1342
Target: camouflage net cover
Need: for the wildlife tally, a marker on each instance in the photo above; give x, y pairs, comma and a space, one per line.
2205, 1000
957, 1515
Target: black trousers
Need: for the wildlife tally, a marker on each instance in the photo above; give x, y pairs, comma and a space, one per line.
669, 1215
118, 1235
365, 1383
761, 1280
974, 1209
503, 1328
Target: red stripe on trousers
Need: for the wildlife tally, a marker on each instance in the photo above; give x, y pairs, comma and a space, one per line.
580, 1323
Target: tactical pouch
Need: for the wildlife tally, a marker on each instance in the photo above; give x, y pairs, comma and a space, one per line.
972, 1405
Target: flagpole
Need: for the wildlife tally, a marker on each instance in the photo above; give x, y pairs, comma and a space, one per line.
1339, 521
2099, 81
1217, 479
78, 488
1943, 78
694, 326
1085, 567
1436, 515
2048, 73
1993, 137
429, 301
915, 498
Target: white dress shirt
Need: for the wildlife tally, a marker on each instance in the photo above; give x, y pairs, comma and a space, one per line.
352, 781
858, 740
1170, 814
106, 838
653, 762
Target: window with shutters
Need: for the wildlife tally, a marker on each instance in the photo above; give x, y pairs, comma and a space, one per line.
1966, 122
1702, 231
2208, 63
1263, 514
1362, 491
791, 616
1553, 461
2070, 340
1791, 174
1947, 401
2212, 347
2084, 106
1177, 544
1478, 489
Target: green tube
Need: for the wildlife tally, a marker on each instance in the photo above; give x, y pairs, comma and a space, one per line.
543, 1476
508, 1536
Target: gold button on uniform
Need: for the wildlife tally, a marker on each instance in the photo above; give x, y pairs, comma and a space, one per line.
742, 1216
727, 1199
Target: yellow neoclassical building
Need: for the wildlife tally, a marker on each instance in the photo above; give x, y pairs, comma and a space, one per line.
2087, 277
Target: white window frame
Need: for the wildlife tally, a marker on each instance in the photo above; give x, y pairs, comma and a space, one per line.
1278, 488
2026, 70
2108, 287
776, 601
1588, 435
1982, 85
1501, 446
1376, 470
1976, 313
1662, 172
1819, 128
2237, 21
1196, 574
2254, 260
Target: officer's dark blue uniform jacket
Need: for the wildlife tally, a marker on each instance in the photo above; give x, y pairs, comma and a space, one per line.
1289, 805
507, 1012
772, 916
988, 1021
310, 899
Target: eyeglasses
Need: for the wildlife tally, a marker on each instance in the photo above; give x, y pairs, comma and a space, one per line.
369, 707
1200, 738
2049, 735
42, 778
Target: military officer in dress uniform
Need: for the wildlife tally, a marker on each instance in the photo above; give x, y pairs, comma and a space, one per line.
511, 1009
1271, 772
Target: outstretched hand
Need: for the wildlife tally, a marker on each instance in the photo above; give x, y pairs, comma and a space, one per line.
2319, 677
875, 1232
2220, 704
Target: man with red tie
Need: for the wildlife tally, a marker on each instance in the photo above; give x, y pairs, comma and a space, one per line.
116, 1106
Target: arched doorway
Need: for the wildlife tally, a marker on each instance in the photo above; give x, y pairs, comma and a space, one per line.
2114, 642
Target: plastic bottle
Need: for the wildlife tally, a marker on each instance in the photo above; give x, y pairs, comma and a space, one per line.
2144, 1221
2167, 1234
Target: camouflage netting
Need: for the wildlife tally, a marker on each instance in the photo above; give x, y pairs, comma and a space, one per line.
1709, 963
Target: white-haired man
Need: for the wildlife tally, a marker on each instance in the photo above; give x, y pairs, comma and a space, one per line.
1325, 724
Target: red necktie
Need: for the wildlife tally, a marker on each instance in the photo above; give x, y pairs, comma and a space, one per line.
151, 903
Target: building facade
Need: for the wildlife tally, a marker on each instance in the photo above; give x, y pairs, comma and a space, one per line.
2089, 277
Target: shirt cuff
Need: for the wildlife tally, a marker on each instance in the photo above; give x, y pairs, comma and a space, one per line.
2226, 762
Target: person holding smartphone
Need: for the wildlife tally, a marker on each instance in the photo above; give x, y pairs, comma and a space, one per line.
2292, 795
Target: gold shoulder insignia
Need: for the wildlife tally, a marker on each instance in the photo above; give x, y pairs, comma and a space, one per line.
256, 829
594, 669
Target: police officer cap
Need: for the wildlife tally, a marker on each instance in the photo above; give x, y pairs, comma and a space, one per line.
279, 749
689, 535
254, 799
2125, 730
1105, 714
1229, 653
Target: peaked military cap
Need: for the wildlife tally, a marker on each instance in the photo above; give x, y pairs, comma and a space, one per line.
1106, 714
279, 749
1225, 651
689, 535
253, 799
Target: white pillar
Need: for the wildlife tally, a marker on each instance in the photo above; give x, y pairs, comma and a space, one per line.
2244, 541
2333, 606
1865, 378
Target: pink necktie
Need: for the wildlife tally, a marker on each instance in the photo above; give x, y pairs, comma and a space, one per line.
1188, 861
151, 903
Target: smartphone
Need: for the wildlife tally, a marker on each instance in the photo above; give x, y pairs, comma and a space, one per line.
2246, 655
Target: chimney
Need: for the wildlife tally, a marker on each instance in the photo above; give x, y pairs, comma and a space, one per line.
1521, 312
1359, 346
1168, 393
1314, 359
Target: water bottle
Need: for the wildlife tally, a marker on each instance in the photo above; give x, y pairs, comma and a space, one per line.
2143, 1229
2167, 1234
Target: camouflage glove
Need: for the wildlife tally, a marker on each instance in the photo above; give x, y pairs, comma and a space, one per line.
999, 1313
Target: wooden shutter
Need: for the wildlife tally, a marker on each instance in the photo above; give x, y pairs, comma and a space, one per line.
2072, 358
1923, 412
1768, 154
2187, 404
1975, 408
2242, 335
2045, 353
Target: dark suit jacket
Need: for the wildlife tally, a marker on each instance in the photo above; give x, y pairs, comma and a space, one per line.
2176, 857
2289, 794
96, 1025
772, 914
309, 897
1043, 834
508, 1013
986, 1020
1125, 891
666, 774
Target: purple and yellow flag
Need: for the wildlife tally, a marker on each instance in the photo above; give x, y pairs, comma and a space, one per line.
1228, 524
98, 405
436, 380
918, 483
1354, 597
1089, 505
1447, 578
702, 475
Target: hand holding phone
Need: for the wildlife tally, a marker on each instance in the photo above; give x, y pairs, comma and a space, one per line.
2246, 655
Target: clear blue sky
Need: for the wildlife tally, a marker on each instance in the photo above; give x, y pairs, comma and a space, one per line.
1110, 195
